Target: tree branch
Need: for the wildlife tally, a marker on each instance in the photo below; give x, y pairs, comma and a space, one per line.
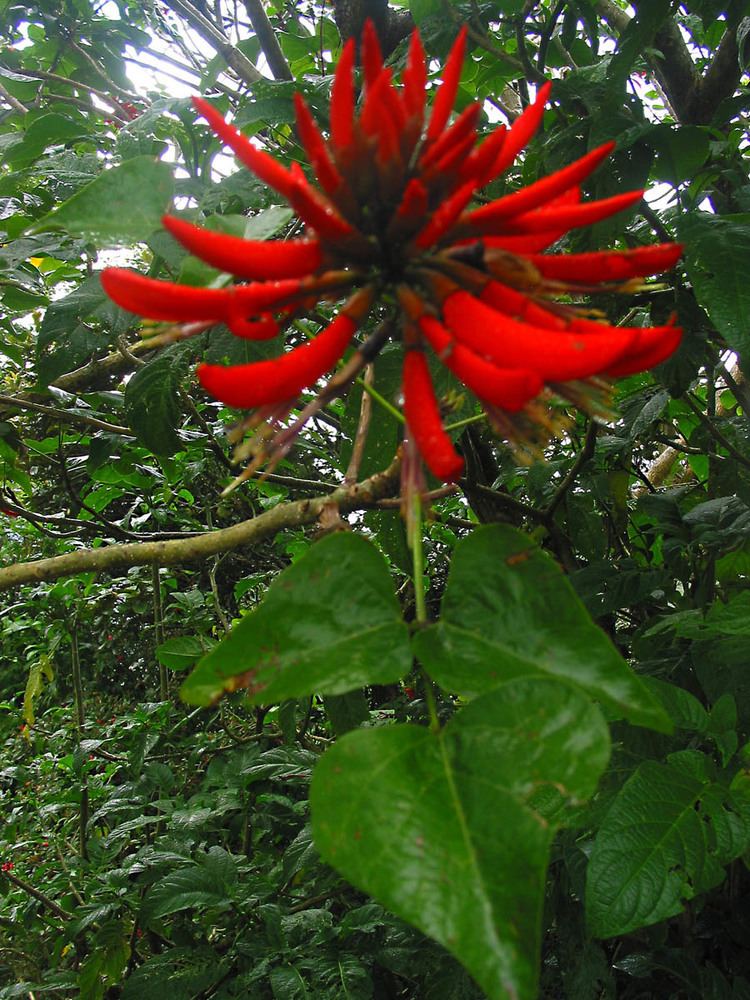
115, 558
245, 70
269, 43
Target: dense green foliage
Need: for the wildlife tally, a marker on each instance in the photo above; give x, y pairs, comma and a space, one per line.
183, 710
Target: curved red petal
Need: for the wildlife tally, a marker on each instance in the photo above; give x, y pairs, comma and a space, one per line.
521, 131
563, 218
653, 346
543, 191
480, 163
445, 216
252, 259
508, 388
556, 356
164, 300
609, 265
274, 381
315, 146
264, 328
462, 127
315, 209
423, 418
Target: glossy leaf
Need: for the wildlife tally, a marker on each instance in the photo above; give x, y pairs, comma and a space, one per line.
124, 204
451, 830
664, 839
718, 259
153, 405
509, 611
329, 624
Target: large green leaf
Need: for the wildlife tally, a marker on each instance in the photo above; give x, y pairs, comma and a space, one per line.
509, 611
451, 830
153, 406
124, 204
330, 623
717, 254
665, 838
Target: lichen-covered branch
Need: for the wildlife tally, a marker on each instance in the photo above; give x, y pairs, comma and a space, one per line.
117, 558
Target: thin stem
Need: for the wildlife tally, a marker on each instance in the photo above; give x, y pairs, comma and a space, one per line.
372, 391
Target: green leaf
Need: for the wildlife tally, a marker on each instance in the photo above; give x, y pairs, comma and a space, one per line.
330, 623
183, 651
124, 204
41, 669
717, 254
181, 890
509, 611
448, 830
346, 711
152, 405
664, 839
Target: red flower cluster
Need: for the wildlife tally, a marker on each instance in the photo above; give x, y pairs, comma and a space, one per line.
7, 866
389, 222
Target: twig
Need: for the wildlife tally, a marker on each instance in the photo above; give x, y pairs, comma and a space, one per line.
53, 411
363, 427
37, 894
715, 433
585, 455
10, 100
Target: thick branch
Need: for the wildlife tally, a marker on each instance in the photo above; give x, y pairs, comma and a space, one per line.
269, 43
116, 558
231, 55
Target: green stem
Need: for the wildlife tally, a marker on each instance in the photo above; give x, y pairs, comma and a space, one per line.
476, 419
379, 398
417, 555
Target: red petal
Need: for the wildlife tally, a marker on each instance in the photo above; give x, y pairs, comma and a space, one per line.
564, 218
252, 259
414, 202
446, 95
653, 346
164, 300
261, 164
521, 131
508, 388
459, 130
315, 209
423, 418
445, 216
523, 244
376, 119
264, 382
542, 191
342, 99
519, 306
415, 78
372, 57
265, 328
315, 146
480, 163
609, 265
556, 356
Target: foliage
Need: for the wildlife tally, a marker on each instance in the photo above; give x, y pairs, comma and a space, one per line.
496, 837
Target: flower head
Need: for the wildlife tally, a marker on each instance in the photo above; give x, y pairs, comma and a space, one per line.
390, 221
